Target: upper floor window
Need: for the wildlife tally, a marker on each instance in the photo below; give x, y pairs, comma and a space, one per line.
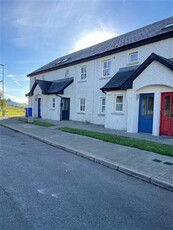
82, 105
119, 103
133, 57
53, 102
107, 68
102, 104
67, 73
83, 72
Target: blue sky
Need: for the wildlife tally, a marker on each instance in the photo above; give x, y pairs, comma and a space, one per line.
35, 32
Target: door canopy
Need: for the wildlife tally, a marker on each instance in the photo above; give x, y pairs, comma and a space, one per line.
51, 87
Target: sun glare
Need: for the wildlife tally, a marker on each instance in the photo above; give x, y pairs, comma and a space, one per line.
92, 39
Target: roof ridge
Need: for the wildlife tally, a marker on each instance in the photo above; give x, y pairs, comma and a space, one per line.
144, 35
154, 23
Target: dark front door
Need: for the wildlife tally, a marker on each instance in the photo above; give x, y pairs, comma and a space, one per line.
39, 107
146, 105
65, 109
166, 121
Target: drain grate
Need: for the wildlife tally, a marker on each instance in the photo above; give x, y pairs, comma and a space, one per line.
168, 163
157, 160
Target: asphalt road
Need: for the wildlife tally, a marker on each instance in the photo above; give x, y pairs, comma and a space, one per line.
42, 187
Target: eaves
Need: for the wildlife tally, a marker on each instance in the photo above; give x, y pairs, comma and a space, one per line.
113, 51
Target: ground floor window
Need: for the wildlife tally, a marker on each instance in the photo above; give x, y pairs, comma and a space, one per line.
102, 104
53, 102
119, 103
82, 104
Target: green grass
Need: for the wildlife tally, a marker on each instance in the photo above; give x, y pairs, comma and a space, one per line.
13, 111
43, 123
20, 119
40, 123
131, 142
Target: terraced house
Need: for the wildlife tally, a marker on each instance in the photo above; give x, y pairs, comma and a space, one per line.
124, 83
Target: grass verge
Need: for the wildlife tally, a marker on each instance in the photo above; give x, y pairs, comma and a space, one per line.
13, 111
127, 141
40, 123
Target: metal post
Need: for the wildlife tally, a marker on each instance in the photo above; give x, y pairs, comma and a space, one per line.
3, 98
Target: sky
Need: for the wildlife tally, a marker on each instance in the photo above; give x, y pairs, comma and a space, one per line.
35, 32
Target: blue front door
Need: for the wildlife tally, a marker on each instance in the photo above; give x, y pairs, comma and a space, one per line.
146, 106
39, 107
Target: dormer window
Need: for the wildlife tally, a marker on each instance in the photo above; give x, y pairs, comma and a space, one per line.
133, 57
168, 26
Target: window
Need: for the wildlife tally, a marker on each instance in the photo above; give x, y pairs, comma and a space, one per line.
83, 73
82, 105
167, 104
133, 57
67, 73
53, 102
102, 104
106, 68
119, 103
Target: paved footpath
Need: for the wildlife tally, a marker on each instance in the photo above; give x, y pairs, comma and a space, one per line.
150, 167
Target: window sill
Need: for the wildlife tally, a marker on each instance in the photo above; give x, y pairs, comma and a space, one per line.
101, 114
102, 78
133, 63
118, 113
80, 81
83, 113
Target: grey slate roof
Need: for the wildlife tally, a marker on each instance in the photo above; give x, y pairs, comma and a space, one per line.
118, 80
58, 86
144, 35
51, 87
124, 78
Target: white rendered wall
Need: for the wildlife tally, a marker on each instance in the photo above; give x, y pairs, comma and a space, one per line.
156, 79
90, 89
115, 120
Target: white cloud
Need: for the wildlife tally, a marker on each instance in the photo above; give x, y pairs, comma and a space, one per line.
19, 80
16, 94
37, 23
16, 86
17, 99
92, 38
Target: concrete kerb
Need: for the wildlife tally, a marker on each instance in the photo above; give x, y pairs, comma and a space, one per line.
123, 169
135, 173
161, 183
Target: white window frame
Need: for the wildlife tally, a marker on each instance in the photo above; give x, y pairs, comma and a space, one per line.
83, 73
53, 102
119, 103
106, 68
130, 59
82, 104
67, 73
102, 105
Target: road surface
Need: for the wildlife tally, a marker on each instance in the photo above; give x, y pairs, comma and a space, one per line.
42, 187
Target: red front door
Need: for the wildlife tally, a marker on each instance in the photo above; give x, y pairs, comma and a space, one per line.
166, 122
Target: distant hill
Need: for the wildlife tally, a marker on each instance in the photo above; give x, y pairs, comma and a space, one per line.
16, 104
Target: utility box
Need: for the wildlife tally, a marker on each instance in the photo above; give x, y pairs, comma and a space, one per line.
30, 119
